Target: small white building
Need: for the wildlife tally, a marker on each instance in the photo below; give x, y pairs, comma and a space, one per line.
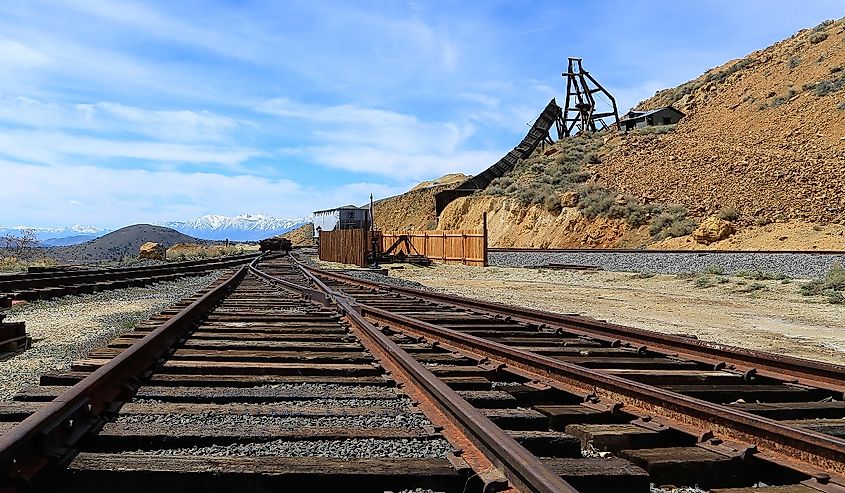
347, 217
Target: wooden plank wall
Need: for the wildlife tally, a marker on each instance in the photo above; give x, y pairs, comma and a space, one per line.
347, 246
459, 246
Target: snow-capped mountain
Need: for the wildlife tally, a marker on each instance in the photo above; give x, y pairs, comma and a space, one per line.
79, 232
244, 227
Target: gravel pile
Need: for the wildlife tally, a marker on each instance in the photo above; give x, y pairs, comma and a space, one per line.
793, 265
353, 448
68, 328
405, 420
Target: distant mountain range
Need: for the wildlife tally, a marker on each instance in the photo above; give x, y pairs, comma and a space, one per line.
54, 236
244, 227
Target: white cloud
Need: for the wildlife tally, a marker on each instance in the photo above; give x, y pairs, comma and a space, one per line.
15, 54
62, 148
39, 195
383, 142
171, 125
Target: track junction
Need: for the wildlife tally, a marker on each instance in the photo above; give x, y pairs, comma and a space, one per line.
282, 376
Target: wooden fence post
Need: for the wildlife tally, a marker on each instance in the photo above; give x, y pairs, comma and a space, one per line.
484, 239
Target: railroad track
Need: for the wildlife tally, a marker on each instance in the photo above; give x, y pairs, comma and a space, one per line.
44, 285
280, 377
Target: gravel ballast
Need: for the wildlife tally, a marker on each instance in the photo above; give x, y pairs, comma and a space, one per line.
353, 448
804, 265
68, 328
404, 420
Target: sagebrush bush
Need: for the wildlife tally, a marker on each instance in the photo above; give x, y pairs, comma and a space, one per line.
727, 214
672, 222
817, 38
832, 282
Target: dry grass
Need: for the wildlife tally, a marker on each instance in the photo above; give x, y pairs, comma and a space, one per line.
15, 264
192, 251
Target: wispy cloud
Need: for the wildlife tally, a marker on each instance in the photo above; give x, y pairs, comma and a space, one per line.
106, 197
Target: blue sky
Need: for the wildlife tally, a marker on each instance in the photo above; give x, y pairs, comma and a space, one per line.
114, 112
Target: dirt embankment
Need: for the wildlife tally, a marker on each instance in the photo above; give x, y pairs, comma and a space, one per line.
511, 224
413, 209
301, 236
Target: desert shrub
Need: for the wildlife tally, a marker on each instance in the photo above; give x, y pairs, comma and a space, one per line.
750, 288
824, 25
833, 281
703, 281
762, 221
728, 214
817, 38
594, 200
672, 222
552, 204
841, 106
714, 269
793, 62
836, 69
827, 86
834, 297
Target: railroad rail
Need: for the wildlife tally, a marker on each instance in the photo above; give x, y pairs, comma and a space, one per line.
784, 411
281, 376
44, 285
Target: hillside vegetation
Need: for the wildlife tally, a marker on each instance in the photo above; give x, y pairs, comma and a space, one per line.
764, 135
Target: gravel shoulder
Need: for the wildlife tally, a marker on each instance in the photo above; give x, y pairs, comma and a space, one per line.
767, 315
68, 328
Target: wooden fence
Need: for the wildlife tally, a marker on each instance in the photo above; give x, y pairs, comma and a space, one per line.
460, 246
347, 246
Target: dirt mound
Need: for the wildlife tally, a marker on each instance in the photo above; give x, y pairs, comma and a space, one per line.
450, 179
118, 244
415, 208
301, 236
764, 135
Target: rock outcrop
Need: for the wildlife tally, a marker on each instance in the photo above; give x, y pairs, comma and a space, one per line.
713, 229
152, 251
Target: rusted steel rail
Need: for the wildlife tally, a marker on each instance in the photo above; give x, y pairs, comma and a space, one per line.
48, 435
803, 371
54, 284
817, 454
519, 466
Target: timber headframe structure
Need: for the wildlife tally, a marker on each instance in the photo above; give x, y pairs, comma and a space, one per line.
579, 112
579, 115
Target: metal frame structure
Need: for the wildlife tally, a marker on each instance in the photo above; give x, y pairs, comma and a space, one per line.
580, 87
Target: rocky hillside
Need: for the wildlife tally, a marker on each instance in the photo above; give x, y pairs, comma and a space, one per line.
761, 152
764, 135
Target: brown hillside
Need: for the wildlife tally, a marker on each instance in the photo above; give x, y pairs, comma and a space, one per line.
415, 208
301, 236
765, 135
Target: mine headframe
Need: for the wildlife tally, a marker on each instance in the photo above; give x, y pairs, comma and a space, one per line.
580, 114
